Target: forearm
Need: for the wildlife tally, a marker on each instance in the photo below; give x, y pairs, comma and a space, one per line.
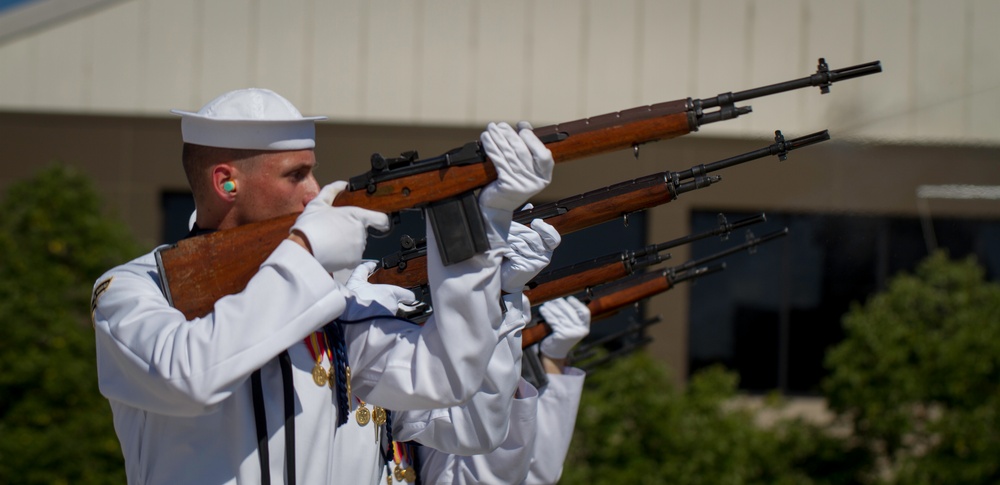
442, 363
480, 424
508, 463
558, 404
553, 366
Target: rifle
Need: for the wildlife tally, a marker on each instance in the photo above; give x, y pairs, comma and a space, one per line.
627, 291
587, 349
408, 268
627, 348
534, 372
580, 276
198, 271
611, 298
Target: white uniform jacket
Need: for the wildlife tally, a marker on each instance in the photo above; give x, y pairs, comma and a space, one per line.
477, 426
541, 428
180, 390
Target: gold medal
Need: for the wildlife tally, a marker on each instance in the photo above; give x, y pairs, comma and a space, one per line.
333, 380
378, 415
410, 474
397, 472
363, 415
320, 377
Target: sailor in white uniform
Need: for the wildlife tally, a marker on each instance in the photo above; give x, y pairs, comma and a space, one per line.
509, 432
479, 425
187, 405
541, 420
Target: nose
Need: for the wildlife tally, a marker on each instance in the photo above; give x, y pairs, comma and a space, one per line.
312, 190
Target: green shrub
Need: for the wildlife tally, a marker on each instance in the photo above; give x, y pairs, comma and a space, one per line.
56, 427
918, 375
634, 426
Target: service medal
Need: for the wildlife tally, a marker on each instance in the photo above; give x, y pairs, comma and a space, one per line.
320, 377
379, 415
410, 474
363, 415
398, 473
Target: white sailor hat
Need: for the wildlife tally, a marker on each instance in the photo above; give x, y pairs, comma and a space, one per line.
251, 118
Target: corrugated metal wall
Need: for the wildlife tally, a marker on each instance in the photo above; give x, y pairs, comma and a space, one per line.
466, 62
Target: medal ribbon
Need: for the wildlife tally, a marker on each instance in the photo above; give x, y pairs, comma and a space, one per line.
316, 343
403, 457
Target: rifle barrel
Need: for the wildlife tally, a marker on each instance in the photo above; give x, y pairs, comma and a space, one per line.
725, 228
822, 78
632, 327
752, 243
780, 147
624, 350
577, 277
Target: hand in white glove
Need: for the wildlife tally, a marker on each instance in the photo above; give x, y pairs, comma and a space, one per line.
337, 235
529, 250
569, 319
523, 164
388, 296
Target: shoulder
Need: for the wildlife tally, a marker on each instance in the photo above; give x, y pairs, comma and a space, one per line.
143, 267
141, 271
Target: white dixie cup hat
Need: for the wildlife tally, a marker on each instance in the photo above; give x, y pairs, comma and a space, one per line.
252, 118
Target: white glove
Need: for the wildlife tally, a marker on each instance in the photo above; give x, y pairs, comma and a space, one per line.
387, 296
337, 235
523, 164
529, 250
569, 319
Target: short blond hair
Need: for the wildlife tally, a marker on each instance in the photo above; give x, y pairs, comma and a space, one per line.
199, 159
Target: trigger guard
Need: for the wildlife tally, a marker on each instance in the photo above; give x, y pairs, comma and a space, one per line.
376, 234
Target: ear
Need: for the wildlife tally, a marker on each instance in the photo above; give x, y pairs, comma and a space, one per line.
221, 174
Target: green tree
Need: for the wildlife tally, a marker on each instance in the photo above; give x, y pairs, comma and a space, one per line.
55, 425
918, 374
634, 426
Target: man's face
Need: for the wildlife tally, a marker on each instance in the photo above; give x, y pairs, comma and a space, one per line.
276, 184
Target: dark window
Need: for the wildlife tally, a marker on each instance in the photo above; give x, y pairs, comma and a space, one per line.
771, 316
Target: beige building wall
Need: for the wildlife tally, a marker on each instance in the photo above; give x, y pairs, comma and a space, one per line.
466, 62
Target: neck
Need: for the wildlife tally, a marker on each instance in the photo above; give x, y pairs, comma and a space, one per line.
213, 216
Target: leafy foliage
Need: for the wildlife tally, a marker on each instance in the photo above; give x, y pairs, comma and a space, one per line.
634, 426
56, 427
918, 375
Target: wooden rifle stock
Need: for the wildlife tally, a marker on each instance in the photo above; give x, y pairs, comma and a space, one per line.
196, 272
575, 282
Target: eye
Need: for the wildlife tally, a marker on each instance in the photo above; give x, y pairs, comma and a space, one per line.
300, 175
